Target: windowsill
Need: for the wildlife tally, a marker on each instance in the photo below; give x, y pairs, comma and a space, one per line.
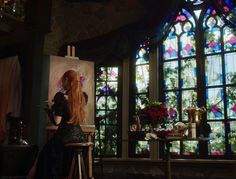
140, 160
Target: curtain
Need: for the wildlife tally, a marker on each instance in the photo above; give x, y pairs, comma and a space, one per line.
10, 91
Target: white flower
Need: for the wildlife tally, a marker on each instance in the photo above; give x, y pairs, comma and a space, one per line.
150, 136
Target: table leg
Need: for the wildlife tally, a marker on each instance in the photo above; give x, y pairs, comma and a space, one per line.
168, 159
90, 160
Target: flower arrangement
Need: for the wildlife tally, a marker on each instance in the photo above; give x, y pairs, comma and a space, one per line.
155, 112
157, 120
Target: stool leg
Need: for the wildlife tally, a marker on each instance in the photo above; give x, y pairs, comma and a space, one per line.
72, 168
79, 166
84, 172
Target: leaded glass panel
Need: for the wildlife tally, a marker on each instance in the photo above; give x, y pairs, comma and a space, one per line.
141, 101
187, 44
197, 13
113, 87
100, 113
111, 117
142, 78
170, 70
188, 96
216, 144
142, 148
175, 148
100, 102
211, 19
229, 36
142, 55
171, 99
212, 40
213, 70
99, 87
110, 148
106, 111
232, 136
188, 73
231, 102
215, 103
170, 47
190, 147
112, 102
101, 74
230, 68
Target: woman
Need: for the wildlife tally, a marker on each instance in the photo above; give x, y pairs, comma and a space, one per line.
69, 112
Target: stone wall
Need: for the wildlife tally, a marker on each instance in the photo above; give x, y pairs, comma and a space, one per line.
71, 22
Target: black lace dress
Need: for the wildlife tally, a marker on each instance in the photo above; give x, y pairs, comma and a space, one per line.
54, 159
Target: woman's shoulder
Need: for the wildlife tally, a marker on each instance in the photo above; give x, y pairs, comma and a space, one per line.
58, 97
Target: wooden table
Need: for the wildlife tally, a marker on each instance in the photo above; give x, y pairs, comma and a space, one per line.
167, 142
89, 131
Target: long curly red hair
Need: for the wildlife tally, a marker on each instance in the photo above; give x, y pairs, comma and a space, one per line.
76, 99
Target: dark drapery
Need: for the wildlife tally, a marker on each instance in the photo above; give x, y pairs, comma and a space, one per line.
10, 91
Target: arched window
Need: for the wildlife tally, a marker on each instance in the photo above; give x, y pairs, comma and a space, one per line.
139, 147
198, 63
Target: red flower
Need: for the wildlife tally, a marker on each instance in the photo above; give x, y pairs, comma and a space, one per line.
155, 111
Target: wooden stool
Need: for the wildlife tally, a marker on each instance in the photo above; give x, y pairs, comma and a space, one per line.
77, 165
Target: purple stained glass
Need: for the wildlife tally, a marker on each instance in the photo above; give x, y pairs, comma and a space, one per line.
105, 90
211, 11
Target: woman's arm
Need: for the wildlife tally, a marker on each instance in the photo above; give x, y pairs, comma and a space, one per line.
57, 119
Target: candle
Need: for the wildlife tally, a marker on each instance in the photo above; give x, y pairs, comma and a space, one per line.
68, 50
73, 51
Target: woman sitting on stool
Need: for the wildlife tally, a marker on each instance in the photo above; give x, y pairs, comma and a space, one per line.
69, 112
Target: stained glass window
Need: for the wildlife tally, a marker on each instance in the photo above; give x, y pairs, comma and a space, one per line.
142, 76
141, 147
107, 107
198, 63
179, 71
